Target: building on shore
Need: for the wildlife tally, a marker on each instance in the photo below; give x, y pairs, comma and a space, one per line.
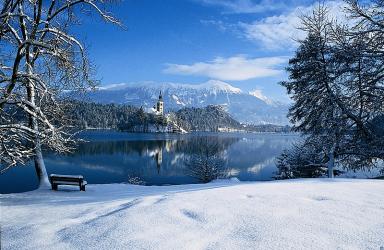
159, 107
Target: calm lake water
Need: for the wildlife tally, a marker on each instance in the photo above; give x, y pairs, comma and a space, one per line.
156, 159
161, 159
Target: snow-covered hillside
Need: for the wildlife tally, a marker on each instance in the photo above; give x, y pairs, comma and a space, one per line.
244, 107
296, 214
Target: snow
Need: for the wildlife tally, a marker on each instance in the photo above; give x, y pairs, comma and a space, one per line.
213, 86
259, 94
176, 98
242, 105
71, 176
216, 85
296, 214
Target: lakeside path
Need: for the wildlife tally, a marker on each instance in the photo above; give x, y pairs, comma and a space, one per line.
293, 214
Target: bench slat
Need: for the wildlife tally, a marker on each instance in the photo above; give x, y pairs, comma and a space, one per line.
75, 180
66, 182
66, 179
69, 176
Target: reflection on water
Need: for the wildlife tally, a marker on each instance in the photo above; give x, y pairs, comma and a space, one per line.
208, 159
160, 159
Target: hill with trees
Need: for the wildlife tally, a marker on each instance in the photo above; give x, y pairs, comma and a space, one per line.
87, 115
210, 118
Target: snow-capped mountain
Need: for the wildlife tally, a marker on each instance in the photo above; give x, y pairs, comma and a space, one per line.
244, 107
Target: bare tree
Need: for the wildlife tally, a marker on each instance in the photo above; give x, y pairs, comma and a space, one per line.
39, 59
360, 51
207, 163
367, 51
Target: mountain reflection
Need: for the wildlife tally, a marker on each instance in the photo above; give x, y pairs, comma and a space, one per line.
189, 145
178, 153
163, 159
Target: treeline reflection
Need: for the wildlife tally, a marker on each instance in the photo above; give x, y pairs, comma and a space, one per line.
162, 159
203, 157
186, 145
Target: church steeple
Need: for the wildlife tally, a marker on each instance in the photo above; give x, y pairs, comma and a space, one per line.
160, 104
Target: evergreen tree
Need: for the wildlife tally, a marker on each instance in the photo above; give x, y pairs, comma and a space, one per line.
312, 73
336, 82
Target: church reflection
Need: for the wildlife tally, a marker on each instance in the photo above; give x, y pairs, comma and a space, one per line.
159, 159
151, 159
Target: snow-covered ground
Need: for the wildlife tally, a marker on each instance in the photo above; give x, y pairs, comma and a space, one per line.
296, 214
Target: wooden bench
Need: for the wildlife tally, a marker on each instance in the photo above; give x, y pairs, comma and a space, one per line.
74, 180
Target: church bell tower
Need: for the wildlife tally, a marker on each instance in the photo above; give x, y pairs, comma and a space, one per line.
160, 105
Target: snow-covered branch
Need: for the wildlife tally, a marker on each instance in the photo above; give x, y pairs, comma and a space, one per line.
40, 58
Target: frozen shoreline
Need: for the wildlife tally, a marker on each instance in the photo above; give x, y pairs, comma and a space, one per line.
294, 214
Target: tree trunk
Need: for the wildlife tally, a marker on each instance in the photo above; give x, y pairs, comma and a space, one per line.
331, 163
41, 171
40, 167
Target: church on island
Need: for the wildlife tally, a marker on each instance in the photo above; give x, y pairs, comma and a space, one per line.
171, 127
159, 107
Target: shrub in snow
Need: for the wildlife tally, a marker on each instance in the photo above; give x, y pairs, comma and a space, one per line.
207, 162
305, 159
135, 180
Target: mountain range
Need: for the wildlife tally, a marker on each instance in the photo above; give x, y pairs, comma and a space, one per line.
246, 107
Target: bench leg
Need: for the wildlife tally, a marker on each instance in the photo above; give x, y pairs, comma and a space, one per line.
54, 187
82, 188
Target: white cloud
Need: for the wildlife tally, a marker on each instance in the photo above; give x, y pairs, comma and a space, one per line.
248, 6
280, 31
275, 32
235, 68
220, 25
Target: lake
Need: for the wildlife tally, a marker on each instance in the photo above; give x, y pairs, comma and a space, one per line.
156, 159
161, 159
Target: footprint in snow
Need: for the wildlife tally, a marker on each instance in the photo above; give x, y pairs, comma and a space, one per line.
321, 198
161, 199
114, 211
74, 231
192, 215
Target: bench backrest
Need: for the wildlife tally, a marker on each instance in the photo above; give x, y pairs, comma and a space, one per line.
66, 178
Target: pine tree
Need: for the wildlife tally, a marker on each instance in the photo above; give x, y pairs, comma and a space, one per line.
316, 111
336, 82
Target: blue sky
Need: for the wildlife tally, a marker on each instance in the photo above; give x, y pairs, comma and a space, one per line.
243, 42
